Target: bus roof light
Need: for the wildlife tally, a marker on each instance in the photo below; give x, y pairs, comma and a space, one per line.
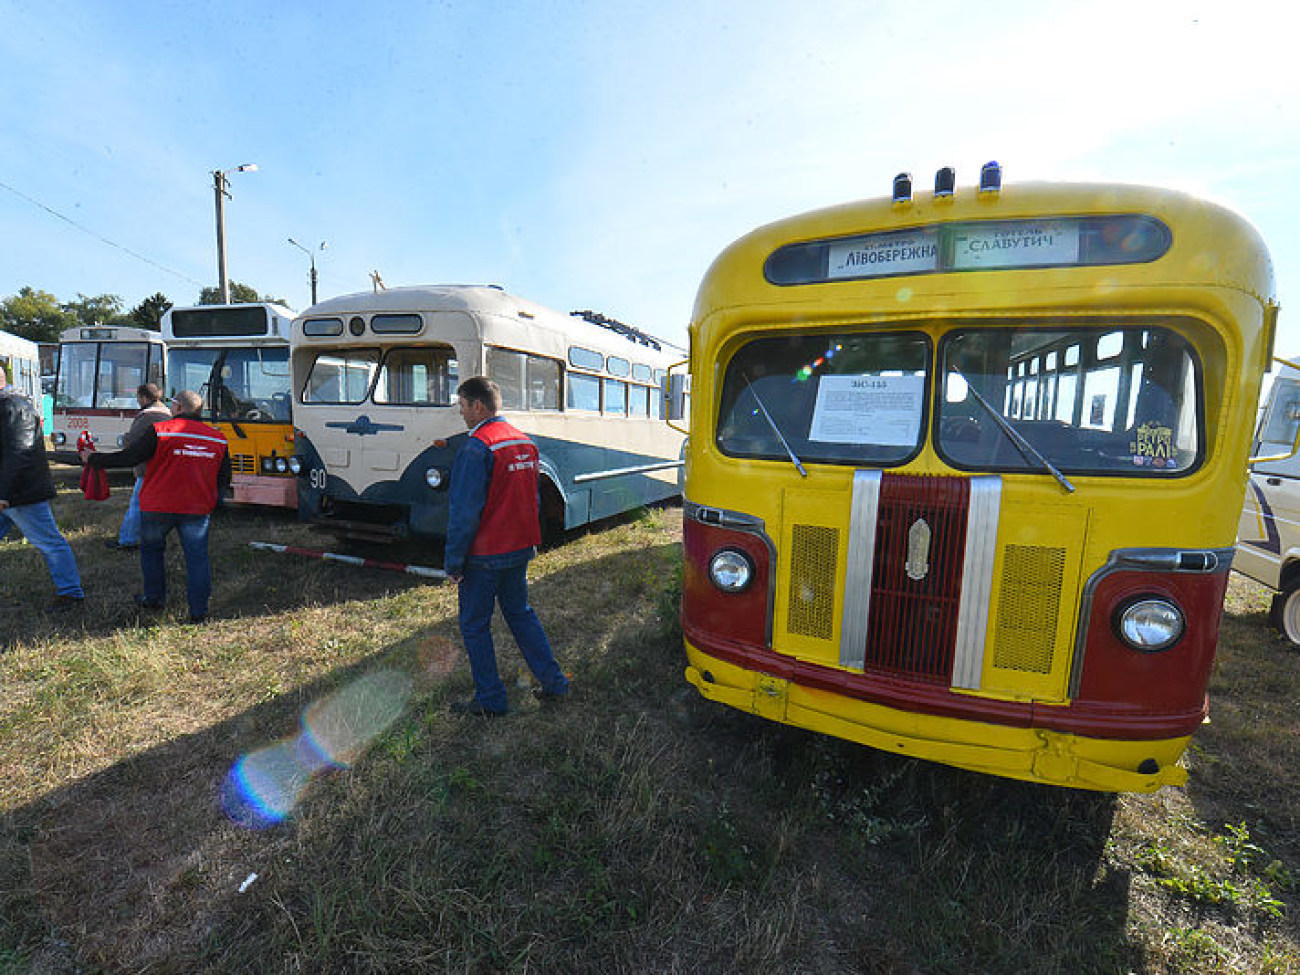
990, 178
944, 180
903, 188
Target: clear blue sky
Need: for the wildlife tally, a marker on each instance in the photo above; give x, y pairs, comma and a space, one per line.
595, 155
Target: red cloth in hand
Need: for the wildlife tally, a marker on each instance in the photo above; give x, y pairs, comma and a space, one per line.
94, 482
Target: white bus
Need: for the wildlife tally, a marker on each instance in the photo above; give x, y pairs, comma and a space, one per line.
20, 358
375, 377
1268, 535
100, 368
237, 358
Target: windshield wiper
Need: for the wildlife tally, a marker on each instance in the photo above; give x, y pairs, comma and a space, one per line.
1027, 450
772, 423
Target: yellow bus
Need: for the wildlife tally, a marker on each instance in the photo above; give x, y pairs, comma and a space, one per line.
965, 472
237, 358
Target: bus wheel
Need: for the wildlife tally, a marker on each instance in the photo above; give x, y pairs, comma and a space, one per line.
550, 514
1285, 614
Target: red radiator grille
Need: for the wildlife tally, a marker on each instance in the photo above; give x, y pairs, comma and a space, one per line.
913, 622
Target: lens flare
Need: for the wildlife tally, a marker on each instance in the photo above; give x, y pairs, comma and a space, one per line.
263, 787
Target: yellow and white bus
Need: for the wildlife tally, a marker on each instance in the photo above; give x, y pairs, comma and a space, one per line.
237, 358
965, 472
375, 377
99, 369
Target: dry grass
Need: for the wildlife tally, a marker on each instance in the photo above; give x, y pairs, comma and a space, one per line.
636, 828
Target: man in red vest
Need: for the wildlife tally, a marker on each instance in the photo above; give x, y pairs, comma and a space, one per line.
187, 470
492, 533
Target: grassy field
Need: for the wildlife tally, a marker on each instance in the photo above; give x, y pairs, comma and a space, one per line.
636, 828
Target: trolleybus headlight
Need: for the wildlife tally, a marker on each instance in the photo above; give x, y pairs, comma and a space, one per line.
731, 571
1150, 625
435, 478
295, 465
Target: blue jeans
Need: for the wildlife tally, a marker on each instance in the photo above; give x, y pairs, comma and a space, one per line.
192, 530
36, 521
480, 589
129, 533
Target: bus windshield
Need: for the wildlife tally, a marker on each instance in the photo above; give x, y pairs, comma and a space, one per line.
241, 384
842, 398
1086, 399
1081, 399
341, 377
102, 375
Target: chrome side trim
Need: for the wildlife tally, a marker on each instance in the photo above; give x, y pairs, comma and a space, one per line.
624, 471
976, 581
863, 515
1208, 561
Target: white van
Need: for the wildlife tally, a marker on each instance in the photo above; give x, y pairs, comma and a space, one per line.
1268, 536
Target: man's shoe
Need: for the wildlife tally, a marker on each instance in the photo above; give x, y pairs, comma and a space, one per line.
113, 543
552, 697
144, 602
474, 709
65, 601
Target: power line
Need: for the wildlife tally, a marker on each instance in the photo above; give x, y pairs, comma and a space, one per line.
86, 230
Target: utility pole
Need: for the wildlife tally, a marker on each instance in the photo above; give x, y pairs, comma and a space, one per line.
220, 186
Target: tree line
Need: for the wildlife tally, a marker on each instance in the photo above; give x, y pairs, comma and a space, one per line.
39, 316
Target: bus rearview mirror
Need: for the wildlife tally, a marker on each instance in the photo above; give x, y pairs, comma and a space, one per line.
673, 390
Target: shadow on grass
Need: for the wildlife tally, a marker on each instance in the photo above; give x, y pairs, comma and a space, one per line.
635, 828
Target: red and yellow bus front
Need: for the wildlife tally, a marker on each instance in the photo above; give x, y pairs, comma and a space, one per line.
965, 472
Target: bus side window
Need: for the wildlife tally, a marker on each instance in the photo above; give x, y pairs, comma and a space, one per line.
543, 383
506, 369
584, 392
615, 397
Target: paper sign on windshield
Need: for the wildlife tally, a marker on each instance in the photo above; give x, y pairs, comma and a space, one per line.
881, 410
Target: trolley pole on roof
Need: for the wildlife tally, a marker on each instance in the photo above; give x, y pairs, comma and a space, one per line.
221, 188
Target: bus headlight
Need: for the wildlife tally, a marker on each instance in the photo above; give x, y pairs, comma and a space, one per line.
60, 439
435, 478
121, 440
731, 570
295, 465
281, 465
1150, 625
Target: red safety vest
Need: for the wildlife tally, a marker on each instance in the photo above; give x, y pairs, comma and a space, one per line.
181, 477
509, 520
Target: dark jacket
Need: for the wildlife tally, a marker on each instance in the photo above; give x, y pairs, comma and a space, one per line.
24, 469
144, 420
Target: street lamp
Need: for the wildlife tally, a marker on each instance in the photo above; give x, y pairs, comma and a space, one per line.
311, 255
220, 186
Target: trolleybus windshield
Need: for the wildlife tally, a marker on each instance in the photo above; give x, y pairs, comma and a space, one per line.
102, 375
240, 384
